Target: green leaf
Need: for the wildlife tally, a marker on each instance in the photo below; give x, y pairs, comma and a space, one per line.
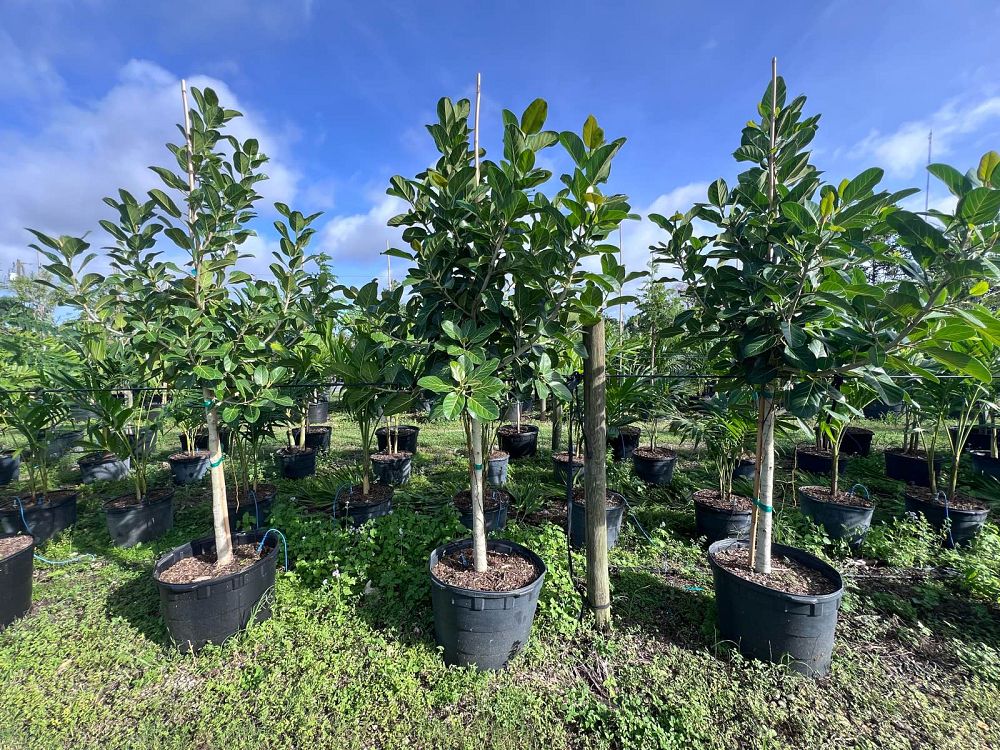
434, 383
718, 193
165, 202
483, 408
452, 405
979, 288
593, 136
800, 215
979, 206
960, 361
957, 182
534, 116
987, 165
862, 185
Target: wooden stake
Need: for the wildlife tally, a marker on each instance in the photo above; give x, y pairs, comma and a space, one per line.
595, 482
475, 143
475, 433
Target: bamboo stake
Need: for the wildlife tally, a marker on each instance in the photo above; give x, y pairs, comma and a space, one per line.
475, 432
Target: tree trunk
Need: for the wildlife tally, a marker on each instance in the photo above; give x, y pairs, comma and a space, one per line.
557, 420
476, 489
220, 508
595, 479
760, 541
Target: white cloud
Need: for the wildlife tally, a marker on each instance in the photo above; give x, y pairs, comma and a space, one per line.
56, 175
904, 152
354, 240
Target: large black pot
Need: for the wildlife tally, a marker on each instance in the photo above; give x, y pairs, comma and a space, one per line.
407, 438
201, 441
483, 628
319, 412
297, 463
188, 468
857, 441
211, 611
254, 509
103, 467
878, 410
10, 467
42, 521
15, 583
745, 468
658, 471
815, 464
495, 518
715, 524
561, 469
978, 440
395, 470
578, 521
145, 522
317, 438
60, 443
850, 522
496, 469
982, 462
910, 469
523, 444
623, 445
772, 625
360, 514
965, 524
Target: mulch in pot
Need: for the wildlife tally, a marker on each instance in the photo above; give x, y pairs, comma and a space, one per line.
512, 429
398, 456
188, 456
960, 501
355, 497
812, 450
492, 499
241, 496
129, 501
204, 567
655, 454
53, 497
497, 455
504, 571
92, 459
713, 499
295, 450
611, 499
823, 495
11, 545
787, 575
563, 458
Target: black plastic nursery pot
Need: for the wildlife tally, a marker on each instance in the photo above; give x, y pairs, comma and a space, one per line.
187, 468
911, 468
60, 443
857, 441
714, 522
850, 522
103, 467
561, 467
654, 465
623, 444
201, 441
10, 467
297, 463
392, 468
817, 463
485, 629
496, 469
772, 625
16, 569
253, 509
359, 509
745, 468
317, 437
144, 441
526, 408
57, 511
495, 504
614, 512
516, 443
405, 437
130, 523
879, 410
211, 611
965, 522
982, 462
319, 412
978, 440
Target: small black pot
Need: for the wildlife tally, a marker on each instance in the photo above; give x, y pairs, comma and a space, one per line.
407, 438
297, 463
102, 467
850, 522
10, 467
878, 410
910, 469
715, 524
317, 438
561, 469
61, 443
394, 471
578, 522
978, 440
496, 471
965, 524
187, 469
252, 510
625, 443
483, 628
655, 471
814, 464
495, 519
745, 468
522, 444
15, 583
361, 514
211, 611
857, 441
140, 523
42, 522
982, 462
319, 412
772, 625
201, 441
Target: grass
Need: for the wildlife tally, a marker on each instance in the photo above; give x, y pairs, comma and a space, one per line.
349, 660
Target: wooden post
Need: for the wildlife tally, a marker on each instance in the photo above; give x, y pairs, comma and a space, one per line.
595, 478
557, 420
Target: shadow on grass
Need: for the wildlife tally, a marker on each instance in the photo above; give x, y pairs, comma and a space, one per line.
665, 606
137, 601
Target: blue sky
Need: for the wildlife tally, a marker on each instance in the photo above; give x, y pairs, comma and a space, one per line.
339, 93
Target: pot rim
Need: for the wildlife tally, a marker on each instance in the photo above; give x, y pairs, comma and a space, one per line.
467, 543
813, 562
168, 498
802, 490
272, 551
30, 549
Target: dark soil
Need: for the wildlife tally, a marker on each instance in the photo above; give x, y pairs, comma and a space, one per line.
390, 457
184, 456
492, 499
48, 499
10, 545
629, 430
295, 450
92, 459
787, 575
823, 495
512, 429
265, 492
355, 497
958, 502
812, 450
497, 455
655, 454
504, 571
858, 431
918, 453
612, 499
713, 499
563, 458
129, 501
204, 567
